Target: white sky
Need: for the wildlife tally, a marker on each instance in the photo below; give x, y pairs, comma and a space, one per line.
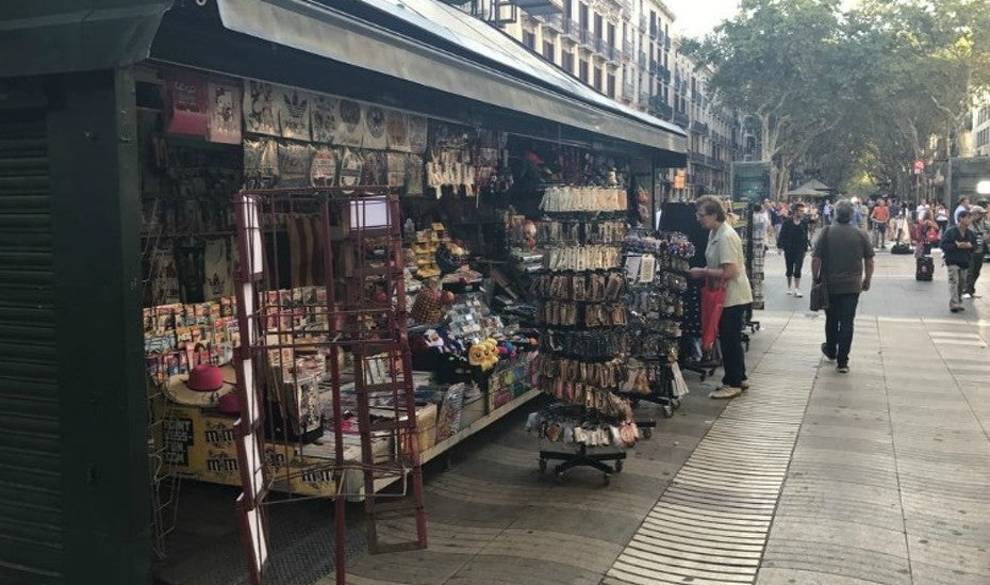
697, 17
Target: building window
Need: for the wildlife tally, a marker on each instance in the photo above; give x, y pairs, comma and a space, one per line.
583, 71
583, 16
598, 78
610, 86
529, 39
598, 26
611, 34
567, 62
549, 51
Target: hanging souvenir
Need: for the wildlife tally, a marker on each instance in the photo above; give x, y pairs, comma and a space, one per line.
187, 106
351, 165
323, 168
324, 117
260, 163
217, 269
293, 164
375, 170
350, 129
397, 127
259, 108
374, 121
417, 133
224, 113
414, 174
163, 277
293, 113
396, 169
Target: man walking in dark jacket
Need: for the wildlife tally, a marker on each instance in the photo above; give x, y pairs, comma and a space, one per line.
958, 243
793, 241
846, 254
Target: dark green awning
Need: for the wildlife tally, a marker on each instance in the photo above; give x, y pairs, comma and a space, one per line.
56, 36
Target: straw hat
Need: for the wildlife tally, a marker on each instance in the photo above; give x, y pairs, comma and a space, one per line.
204, 386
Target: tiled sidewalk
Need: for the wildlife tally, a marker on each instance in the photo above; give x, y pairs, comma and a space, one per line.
888, 481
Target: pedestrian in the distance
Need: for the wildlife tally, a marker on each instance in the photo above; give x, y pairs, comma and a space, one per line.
847, 256
981, 229
793, 241
941, 217
827, 212
880, 217
726, 266
931, 234
963, 206
958, 243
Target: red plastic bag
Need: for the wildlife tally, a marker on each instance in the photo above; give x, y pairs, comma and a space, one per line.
712, 301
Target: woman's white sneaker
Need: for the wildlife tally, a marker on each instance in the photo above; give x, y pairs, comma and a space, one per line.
725, 392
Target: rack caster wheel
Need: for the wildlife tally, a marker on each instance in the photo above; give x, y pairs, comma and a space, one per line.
606, 479
558, 475
668, 411
676, 402
543, 465
647, 433
618, 466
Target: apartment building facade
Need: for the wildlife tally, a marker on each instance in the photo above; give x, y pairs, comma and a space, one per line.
627, 50
981, 128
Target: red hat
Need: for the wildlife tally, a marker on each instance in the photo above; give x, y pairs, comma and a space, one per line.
204, 386
205, 378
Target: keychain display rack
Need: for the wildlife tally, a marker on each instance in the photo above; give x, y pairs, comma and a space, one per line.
657, 275
585, 342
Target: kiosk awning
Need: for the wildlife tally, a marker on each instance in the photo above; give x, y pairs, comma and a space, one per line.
534, 86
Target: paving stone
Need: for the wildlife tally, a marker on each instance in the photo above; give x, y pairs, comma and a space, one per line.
771, 576
950, 553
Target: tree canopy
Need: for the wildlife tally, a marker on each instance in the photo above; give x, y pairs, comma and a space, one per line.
841, 94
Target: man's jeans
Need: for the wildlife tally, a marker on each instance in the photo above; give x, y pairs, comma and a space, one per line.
958, 280
975, 267
839, 318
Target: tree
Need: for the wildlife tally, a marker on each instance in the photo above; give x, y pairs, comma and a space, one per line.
777, 61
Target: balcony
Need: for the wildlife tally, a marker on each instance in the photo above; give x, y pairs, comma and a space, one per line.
643, 63
585, 38
644, 23
612, 54
681, 119
627, 51
699, 127
653, 30
660, 108
541, 7
570, 27
697, 158
553, 21
665, 74
644, 97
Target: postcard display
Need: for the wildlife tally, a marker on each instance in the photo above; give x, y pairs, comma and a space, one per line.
585, 342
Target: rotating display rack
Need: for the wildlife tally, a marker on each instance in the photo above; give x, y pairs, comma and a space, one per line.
585, 342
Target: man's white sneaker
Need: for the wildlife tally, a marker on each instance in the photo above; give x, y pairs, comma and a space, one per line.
790, 292
725, 392
798, 294
967, 296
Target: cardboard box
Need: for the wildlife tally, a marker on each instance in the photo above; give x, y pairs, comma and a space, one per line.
200, 444
473, 410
